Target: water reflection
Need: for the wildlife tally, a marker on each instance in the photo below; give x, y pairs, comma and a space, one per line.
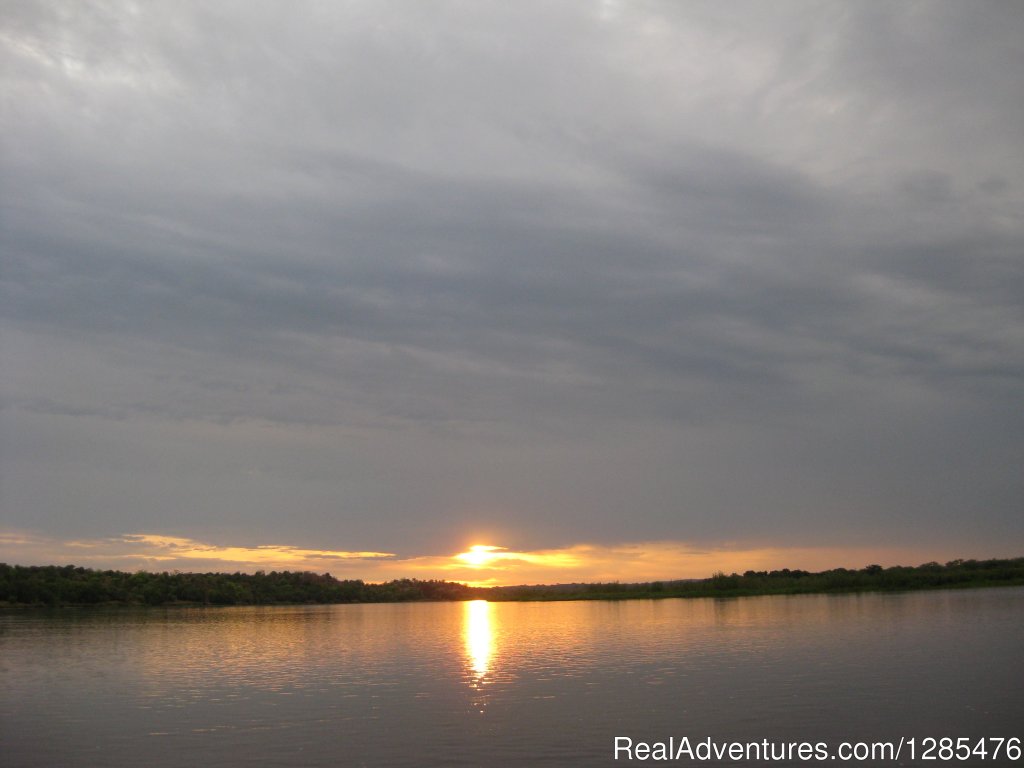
499, 684
479, 637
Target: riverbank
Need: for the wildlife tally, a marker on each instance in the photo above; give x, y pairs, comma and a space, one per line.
69, 585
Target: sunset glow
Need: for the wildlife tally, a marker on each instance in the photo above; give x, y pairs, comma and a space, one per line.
480, 555
480, 565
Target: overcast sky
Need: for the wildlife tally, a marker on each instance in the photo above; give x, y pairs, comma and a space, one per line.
401, 277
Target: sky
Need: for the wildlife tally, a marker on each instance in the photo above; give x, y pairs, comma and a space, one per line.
624, 290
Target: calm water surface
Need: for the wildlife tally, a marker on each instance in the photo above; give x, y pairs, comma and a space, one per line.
438, 684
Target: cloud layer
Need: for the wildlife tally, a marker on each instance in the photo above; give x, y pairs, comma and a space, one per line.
384, 276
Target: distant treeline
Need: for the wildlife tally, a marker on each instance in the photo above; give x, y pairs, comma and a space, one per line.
53, 585
873, 578
70, 585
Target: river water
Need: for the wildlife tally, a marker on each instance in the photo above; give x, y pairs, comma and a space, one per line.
494, 684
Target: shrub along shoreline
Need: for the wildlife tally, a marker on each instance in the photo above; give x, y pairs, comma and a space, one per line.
69, 585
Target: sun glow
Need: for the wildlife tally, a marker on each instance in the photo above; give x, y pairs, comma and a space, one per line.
480, 555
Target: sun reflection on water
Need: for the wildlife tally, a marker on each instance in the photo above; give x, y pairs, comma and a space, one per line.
479, 637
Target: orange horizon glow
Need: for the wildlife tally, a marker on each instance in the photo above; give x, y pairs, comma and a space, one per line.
480, 555
479, 565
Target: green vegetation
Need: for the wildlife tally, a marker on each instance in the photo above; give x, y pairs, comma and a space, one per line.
52, 585
873, 578
67, 585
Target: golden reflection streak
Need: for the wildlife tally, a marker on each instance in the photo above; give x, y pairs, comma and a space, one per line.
479, 636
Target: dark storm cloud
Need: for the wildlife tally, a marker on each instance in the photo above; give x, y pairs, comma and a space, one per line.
706, 272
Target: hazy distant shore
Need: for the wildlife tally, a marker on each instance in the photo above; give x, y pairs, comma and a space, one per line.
58, 586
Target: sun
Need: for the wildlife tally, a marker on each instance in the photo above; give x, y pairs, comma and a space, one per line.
480, 555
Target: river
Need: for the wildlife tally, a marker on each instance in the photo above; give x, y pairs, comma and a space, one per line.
495, 684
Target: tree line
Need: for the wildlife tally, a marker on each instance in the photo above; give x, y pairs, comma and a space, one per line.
872, 578
53, 585
70, 585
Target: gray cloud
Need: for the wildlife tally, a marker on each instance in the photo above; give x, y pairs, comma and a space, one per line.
393, 274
